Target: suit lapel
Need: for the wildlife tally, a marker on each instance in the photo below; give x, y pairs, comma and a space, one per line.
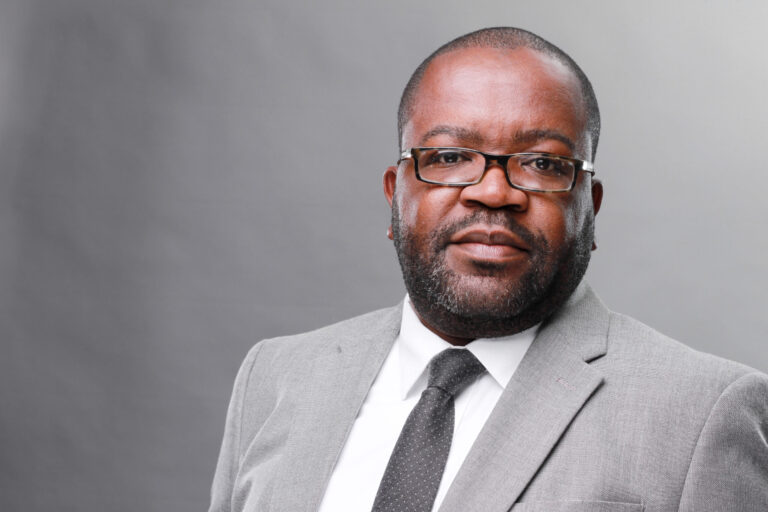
334, 390
550, 386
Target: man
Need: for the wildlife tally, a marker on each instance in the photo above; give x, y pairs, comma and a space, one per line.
546, 400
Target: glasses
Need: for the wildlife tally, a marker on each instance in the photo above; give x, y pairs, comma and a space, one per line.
460, 167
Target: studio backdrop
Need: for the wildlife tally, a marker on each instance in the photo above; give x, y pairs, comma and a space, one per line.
182, 178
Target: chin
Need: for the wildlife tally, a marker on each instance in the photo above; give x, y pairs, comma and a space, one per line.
488, 299
489, 306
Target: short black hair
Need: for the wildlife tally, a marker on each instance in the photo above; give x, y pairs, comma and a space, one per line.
506, 38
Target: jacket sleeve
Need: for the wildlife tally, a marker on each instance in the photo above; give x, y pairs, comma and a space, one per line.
729, 466
229, 458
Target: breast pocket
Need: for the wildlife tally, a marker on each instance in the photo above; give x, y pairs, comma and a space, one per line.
577, 506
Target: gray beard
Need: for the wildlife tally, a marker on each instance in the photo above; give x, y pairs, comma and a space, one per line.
445, 300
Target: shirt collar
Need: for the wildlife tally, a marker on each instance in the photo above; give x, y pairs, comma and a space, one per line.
418, 345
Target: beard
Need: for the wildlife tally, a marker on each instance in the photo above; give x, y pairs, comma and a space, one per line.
485, 303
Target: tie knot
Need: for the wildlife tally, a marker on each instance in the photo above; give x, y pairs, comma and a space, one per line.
454, 369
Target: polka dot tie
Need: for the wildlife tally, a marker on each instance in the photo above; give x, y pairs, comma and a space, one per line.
416, 465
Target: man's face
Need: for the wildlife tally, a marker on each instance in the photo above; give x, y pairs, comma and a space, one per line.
487, 259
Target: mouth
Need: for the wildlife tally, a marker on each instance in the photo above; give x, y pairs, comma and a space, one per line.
489, 244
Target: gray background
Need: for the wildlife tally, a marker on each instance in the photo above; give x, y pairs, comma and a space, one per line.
182, 178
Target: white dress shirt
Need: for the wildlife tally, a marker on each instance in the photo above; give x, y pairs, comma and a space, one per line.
395, 391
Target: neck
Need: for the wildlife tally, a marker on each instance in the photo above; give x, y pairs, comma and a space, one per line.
456, 341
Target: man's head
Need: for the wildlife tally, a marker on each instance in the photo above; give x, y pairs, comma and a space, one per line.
509, 38
489, 259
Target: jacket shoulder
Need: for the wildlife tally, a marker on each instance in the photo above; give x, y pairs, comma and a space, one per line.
343, 329
295, 353
645, 351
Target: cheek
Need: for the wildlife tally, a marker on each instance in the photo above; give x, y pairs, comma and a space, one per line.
423, 211
567, 219
555, 220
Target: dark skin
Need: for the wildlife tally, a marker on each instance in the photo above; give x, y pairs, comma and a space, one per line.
497, 101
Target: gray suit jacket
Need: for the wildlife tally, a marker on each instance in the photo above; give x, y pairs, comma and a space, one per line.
603, 414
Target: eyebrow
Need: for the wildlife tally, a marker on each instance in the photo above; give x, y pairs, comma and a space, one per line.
475, 137
537, 135
463, 134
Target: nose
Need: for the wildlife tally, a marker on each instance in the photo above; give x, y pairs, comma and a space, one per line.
494, 191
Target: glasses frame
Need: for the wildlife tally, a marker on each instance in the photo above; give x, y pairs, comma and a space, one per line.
502, 160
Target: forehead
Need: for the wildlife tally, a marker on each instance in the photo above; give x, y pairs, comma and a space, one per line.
495, 95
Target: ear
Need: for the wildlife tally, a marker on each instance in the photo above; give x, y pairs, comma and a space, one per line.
597, 195
597, 200
388, 181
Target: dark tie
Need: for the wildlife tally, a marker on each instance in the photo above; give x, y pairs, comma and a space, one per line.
416, 465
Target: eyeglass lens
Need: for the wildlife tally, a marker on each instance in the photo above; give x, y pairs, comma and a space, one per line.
454, 166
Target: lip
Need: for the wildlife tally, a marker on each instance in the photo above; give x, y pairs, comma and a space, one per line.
489, 235
489, 243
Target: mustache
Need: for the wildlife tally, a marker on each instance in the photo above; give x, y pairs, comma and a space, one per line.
491, 218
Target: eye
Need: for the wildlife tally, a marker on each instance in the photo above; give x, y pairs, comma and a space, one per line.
547, 166
446, 158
